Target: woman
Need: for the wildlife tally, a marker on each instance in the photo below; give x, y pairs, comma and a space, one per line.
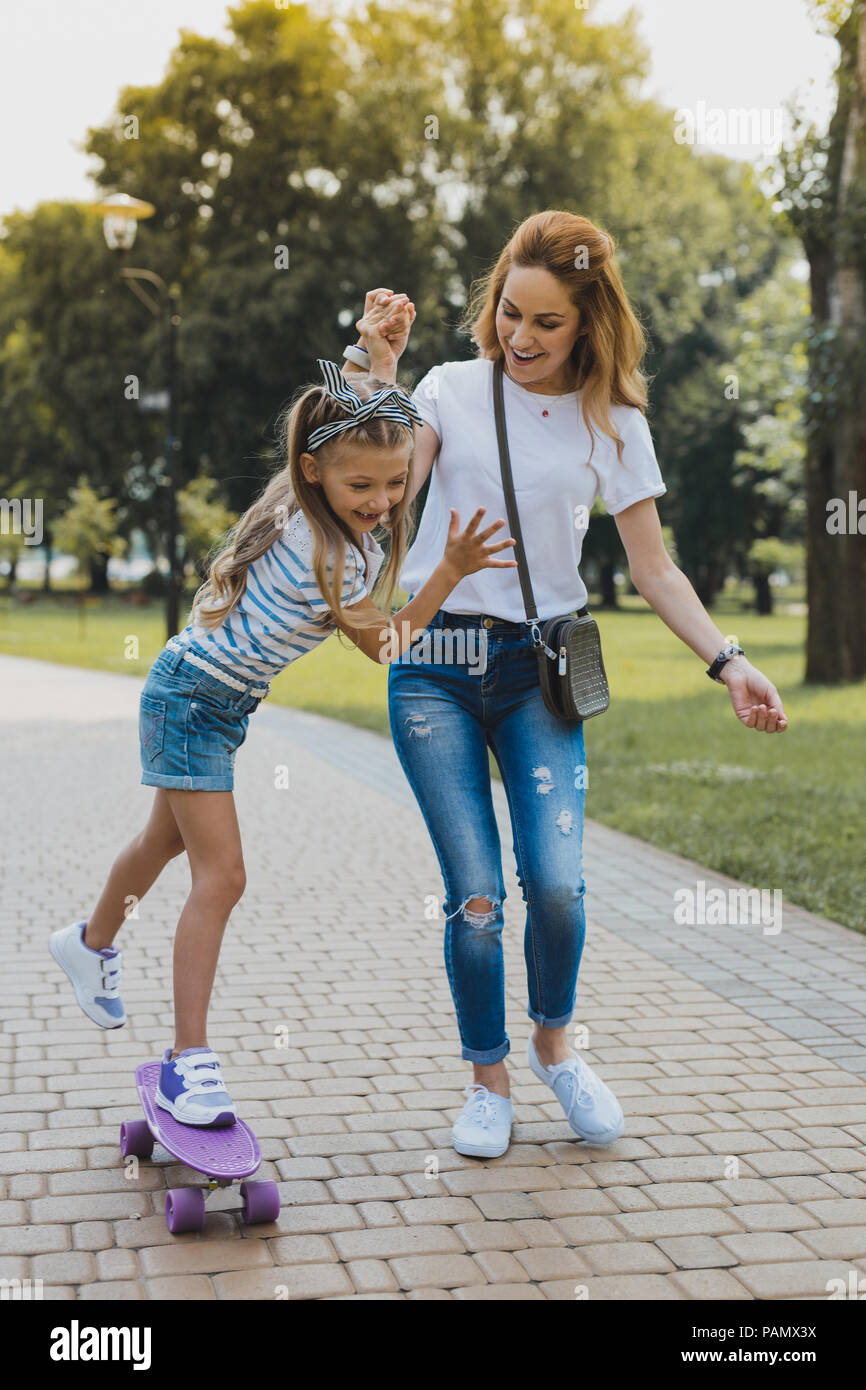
553, 306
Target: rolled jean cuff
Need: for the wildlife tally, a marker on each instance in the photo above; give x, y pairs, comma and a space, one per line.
486, 1059
550, 1022
187, 784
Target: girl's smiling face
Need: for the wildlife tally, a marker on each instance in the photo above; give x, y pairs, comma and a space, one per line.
537, 325
363, 486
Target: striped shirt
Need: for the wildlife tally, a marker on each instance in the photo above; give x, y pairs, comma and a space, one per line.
274, 621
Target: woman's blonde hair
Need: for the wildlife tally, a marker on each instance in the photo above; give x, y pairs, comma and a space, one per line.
610, 343
289, 490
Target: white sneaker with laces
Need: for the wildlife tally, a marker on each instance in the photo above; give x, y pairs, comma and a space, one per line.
483, 1128
591, 1108
95, 975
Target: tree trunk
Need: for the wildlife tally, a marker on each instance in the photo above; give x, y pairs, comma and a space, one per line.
763, 594
606, 571
706, 581
836, 466
46, 577
99, 574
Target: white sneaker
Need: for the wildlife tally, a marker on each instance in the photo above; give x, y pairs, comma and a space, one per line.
483, 1128
95, 975
191, 1088
591, 1108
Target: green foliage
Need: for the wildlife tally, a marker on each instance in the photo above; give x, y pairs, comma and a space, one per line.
12, 545
829, 218
287, 183
830, 14
769, 358
203, 516
68, 337
769, 554
88, 527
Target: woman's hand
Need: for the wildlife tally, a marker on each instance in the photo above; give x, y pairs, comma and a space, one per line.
465, 552
384, 329
756, 702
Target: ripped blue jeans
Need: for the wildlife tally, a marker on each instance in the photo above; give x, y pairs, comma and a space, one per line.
445, 711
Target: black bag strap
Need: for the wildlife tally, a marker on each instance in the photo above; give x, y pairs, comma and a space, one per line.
513, 517
508, 489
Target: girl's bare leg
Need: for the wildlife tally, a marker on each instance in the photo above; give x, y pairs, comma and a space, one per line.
209, 826
134, 871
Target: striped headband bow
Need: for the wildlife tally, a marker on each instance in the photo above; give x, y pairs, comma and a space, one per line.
390, 401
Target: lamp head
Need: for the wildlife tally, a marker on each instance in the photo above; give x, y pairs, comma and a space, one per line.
120, 216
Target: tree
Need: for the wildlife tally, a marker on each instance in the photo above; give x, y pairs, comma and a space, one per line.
824, 195
697, 440
286, 183
12, 547
88, 528
602, 549
771, 467
204, 519
764, 558
71, 337
769, 365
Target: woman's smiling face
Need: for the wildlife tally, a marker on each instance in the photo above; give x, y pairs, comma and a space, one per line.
536, 317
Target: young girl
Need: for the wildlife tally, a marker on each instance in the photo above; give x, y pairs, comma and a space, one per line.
300, 562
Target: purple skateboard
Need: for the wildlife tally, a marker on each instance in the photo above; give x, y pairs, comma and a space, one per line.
222, 1156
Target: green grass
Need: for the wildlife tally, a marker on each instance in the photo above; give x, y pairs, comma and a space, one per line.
669, 762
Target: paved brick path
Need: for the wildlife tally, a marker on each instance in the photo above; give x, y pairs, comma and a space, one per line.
739, 1056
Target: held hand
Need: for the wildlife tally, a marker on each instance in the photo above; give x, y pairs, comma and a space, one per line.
465, 552
756, 702
384, 328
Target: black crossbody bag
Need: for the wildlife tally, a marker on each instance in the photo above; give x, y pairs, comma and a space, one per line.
570, 665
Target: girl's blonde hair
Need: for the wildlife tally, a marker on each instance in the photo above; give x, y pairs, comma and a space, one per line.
288, 491
610, 343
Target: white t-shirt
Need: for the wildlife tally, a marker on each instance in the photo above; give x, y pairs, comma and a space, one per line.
272, 624
555, 485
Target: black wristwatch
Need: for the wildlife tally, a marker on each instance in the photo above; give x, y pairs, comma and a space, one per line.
724, 655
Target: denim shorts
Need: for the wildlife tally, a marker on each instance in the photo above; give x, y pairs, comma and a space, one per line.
191, 724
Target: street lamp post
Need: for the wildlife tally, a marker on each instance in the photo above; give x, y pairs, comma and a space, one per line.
173, 451
121, 215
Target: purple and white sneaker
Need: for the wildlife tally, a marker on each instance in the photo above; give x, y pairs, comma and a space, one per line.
95, 975
191, 1089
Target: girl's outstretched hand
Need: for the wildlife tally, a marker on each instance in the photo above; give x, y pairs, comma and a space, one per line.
755, 700
465, 551
384, 329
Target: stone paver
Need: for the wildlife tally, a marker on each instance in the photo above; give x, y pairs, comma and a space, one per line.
739, 1055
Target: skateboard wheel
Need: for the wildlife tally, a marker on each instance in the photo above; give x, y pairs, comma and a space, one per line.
261, 1202
135, 1138
184, 1209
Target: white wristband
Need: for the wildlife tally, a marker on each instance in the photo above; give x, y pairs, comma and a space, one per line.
360, 356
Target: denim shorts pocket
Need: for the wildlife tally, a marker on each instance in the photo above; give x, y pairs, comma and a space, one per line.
151, 721
215, 721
